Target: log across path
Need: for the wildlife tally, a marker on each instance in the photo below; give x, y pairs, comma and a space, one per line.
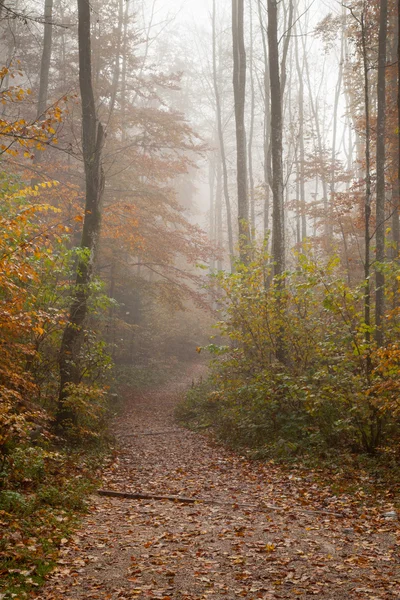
259, 531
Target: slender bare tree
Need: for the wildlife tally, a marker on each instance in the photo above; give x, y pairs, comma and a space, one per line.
380, 175
92, 144
221, 140
239, 90
44, 68
301, 162
278, 224
267, 125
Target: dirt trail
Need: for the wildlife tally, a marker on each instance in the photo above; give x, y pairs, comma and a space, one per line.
160, 549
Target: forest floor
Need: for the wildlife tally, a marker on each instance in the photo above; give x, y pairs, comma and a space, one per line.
274, 534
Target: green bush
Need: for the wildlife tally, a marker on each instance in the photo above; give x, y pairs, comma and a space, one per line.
329, 391
28, 463
14, 502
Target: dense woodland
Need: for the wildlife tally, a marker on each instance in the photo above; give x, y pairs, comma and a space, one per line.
161, 185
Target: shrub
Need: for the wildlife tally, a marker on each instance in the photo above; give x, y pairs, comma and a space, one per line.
323, 394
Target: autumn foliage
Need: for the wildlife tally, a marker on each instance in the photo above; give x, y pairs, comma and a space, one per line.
322, 398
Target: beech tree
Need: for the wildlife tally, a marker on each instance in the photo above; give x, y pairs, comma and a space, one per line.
239, 90
278, 224
92, 145
221, 141
380, 175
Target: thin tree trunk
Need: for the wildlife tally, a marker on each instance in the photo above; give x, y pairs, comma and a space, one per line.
298, 201
92, 143
314, 110
44, 68
239, 91
218, 212
124, 68
267, 128
395, 221
221, 139
338, 90
251, 132
46, 57
380, 176
278, 227
393, 52
211, 187
300, 170
367, 207
117, 66
287, 38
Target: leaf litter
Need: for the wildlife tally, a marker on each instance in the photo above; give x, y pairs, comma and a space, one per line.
318, 545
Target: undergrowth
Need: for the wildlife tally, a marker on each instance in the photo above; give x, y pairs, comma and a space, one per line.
346, 472
43, 495
297, 375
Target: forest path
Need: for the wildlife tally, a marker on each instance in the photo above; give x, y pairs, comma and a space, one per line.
161, 549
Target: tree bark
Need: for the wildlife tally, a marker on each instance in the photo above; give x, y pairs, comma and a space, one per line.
117, 66
314, 110
367, 204
267, 128
380, 176
251, 132
278, 226
338, 89
286, 43
221, 140
124, 67
395, 221
278, 223
300, 169
211, 186
46, 57
44, 69
92, 144
218, 212
239, 91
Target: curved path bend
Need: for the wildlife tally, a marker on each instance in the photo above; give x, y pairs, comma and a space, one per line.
161, 549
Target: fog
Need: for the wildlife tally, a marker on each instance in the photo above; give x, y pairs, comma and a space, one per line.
188, 157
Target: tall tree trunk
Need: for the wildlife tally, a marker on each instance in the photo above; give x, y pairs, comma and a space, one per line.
211, 187
46, 57
44, 69
267, 127
396, 210
278, 226
367, 205
298, 202
117, 66
251, 131
338, 90
287, 38
124, 67
239, 91
218, 213
380, 176
92, 144
393, 85
221, 140
301, 163
315, 113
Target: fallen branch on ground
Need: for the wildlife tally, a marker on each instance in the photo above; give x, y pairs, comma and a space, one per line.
125, 435
185, 500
